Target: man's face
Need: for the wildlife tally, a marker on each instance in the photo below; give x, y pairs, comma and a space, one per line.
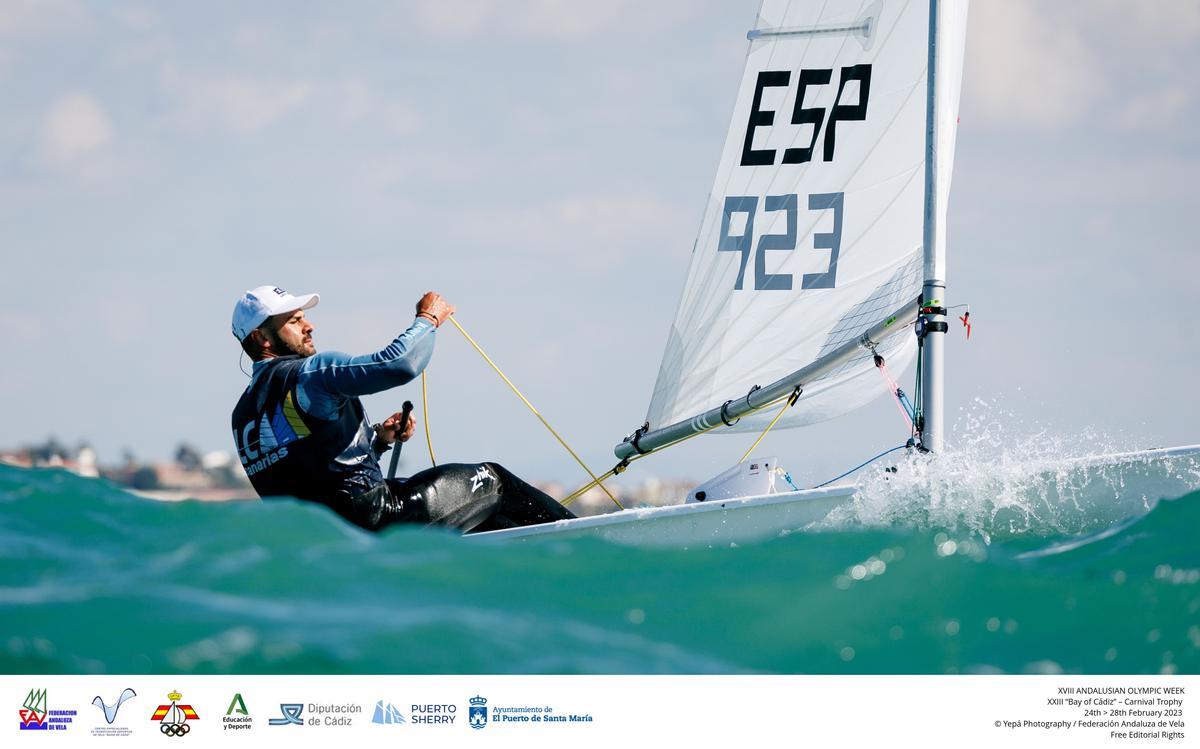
290, 333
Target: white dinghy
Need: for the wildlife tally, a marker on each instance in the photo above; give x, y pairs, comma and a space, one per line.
820, 263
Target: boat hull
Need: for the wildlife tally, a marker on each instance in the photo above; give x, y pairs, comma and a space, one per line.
1147, 476
700, 523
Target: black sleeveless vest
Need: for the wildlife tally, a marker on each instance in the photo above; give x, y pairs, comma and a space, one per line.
287, 452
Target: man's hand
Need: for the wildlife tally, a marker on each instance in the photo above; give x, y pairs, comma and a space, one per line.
434, 307
390, 429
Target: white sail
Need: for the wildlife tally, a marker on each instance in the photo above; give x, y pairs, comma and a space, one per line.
815, 226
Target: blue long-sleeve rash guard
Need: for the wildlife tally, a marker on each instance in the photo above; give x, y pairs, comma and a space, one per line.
327, 381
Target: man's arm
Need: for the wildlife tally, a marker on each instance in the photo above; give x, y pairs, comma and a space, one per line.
327, 380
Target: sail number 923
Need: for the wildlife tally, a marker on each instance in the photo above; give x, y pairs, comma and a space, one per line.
764, 281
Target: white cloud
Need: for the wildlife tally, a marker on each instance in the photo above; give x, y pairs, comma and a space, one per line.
36, 19
229, 102
122, 318
1163, 109
22, 328
75, 127
356, 101
547, 19
1027, 65
596, 231
7, 59
249, 38
1122, 183
137, 18
247, 103
1161, 20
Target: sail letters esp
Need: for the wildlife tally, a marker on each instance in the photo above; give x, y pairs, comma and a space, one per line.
801, 115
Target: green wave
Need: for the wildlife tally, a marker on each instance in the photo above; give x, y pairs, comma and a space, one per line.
95, 580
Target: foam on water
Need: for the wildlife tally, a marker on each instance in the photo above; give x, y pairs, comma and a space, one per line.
999, 480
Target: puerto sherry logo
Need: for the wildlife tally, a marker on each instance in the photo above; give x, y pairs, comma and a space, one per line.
477, 716
387, 714
237, 717
291, 715
173, 718
110, 714
434, 714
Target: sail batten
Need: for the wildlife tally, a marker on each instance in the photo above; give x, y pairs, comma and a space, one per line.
815, 224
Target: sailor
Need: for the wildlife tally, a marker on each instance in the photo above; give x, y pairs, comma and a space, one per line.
301, 430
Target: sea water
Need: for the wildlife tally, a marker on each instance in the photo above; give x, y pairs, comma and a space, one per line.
978, 574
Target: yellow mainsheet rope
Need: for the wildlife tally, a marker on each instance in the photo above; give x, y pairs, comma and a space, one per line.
764, 432
789, 400
425, 415
561, 441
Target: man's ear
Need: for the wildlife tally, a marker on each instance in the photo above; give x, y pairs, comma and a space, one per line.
259, 339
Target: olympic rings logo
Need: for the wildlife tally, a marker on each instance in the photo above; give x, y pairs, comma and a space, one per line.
174, 729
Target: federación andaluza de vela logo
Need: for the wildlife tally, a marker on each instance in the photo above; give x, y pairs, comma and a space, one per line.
33, 712
35, 716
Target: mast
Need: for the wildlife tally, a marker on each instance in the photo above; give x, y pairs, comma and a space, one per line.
934, 289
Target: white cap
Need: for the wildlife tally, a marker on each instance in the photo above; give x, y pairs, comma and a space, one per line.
258, 304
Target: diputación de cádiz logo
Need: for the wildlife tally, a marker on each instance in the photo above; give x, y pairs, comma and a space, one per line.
291, 714
172, 719
477, 714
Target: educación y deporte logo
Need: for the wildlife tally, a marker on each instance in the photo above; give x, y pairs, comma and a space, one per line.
237, 717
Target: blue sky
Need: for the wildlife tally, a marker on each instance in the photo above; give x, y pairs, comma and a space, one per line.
544, 165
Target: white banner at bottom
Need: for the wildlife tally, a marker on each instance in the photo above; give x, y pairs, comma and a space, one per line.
586, 711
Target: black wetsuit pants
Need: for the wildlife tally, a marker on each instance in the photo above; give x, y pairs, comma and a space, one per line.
470, 496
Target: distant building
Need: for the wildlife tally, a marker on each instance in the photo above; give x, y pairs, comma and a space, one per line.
53, 454
214, 475
219, 475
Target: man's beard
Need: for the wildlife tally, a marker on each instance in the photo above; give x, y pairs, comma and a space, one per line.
287, 349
